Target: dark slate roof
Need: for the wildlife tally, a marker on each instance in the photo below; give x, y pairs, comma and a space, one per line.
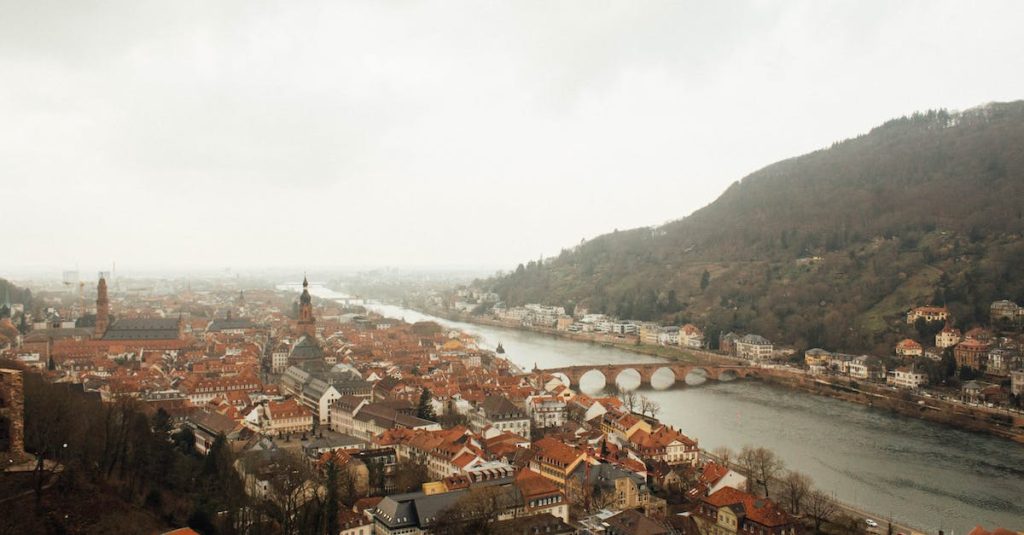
755, 339
333, 440
224, 324
306, 348
499, 408
212, 422
143, 329
87, 321
420, 510
604, 475
633, 522
388, 417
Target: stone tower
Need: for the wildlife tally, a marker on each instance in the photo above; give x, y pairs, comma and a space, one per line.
102, 309
307, 323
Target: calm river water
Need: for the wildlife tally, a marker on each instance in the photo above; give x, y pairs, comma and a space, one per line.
926, 475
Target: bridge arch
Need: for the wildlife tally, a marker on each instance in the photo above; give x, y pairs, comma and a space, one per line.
662, 378
696, 375
629, 379
592, 380
728, 375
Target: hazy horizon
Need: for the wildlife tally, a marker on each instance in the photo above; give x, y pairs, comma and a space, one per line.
460, 136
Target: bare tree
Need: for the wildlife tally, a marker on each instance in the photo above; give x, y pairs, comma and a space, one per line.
725, 455
761, 465
472, 513
795, 487
630, 399
820, 507
649, 407
410, 475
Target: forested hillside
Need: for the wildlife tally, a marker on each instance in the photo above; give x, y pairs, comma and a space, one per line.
826, 249
11, 294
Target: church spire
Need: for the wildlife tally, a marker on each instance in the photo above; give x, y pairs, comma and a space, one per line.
307, 323
102, 309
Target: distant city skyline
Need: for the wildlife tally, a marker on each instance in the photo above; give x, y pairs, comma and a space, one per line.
364, 134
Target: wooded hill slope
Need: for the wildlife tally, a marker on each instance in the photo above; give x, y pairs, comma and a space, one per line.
826, 249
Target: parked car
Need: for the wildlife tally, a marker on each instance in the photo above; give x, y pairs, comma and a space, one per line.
871, 523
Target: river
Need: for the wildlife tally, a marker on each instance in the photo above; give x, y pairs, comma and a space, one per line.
926, 475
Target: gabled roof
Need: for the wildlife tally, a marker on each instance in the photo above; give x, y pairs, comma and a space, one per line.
760, 510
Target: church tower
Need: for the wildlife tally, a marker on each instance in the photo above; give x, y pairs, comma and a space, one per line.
102, 309
307, 323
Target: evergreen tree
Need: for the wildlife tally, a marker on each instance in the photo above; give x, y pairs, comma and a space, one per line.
331, 507
162, 423
705, 280
425, 409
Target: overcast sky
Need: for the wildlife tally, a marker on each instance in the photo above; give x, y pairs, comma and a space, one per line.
399, 133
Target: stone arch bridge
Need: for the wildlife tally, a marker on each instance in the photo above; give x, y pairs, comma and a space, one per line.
647, 370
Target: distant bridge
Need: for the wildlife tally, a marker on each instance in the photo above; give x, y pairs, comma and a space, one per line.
669, 373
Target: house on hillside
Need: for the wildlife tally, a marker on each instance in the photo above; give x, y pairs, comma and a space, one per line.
929, 314
1004, 311
909, 348
949, 336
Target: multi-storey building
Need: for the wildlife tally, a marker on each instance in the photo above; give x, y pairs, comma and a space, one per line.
546, 411
907, 377
501, 414
732, 512
754, 347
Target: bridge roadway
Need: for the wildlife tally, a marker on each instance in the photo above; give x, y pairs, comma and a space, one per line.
679, 371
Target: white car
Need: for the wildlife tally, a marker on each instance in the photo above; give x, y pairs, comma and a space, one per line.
871, 523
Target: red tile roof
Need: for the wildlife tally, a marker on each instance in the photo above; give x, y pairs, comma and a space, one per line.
759, 510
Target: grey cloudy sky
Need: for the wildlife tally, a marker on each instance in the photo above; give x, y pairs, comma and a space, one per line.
481, 133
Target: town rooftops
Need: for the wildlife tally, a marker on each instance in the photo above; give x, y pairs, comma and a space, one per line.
307, 348
230, 324
532, 525
760, 510
556, 452
633, 522
498, 408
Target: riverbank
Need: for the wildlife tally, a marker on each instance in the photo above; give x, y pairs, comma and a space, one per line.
1009, 426
975, 419
625, 343
929, 475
